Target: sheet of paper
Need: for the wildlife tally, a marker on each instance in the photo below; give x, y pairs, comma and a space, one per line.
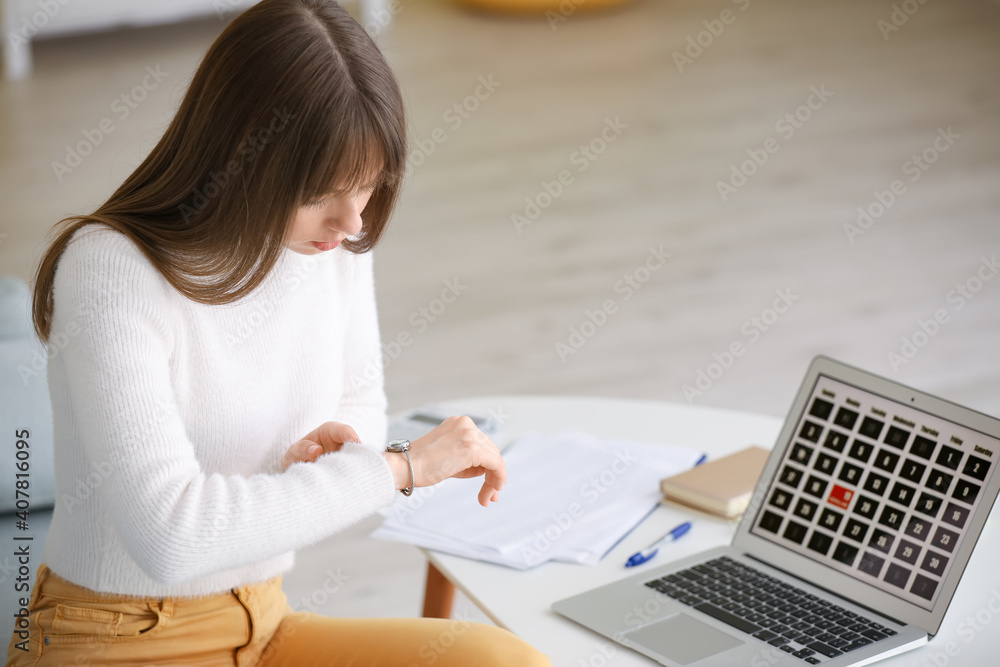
570, 497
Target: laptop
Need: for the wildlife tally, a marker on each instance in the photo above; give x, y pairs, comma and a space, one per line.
852, 547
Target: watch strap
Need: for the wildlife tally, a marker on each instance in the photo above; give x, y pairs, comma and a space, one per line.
408, 490
403, 447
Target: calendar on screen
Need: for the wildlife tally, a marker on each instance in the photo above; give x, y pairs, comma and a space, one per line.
877, 489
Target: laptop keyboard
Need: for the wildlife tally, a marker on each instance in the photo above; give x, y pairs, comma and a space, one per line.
796, 622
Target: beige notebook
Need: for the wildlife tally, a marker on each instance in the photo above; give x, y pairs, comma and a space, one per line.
722, 486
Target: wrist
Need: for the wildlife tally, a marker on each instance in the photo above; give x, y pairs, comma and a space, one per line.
400, 470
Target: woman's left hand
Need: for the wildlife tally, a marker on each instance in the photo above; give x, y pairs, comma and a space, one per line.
329, 437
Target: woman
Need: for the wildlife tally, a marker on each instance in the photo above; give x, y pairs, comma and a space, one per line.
214, 408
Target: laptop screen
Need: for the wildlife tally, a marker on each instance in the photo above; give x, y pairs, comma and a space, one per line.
877, 489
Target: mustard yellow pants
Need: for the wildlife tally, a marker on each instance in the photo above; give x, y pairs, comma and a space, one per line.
248, 626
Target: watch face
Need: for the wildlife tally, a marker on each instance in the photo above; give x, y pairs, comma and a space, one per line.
398, 446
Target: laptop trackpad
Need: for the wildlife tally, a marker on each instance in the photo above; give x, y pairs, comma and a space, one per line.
683, 639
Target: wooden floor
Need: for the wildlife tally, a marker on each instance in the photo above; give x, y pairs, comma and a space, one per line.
709, 181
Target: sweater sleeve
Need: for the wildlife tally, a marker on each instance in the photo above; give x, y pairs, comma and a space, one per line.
363, 403
177, 521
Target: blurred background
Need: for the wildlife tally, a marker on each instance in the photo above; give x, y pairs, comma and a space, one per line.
666, 200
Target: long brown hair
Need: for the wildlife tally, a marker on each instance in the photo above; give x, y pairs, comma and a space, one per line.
291, 102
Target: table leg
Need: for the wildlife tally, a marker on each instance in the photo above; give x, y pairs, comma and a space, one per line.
439, 593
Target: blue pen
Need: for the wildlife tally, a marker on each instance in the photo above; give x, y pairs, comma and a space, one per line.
641, 557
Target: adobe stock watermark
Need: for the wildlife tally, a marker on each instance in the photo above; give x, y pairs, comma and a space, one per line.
225, 7
957, 298
590, 492
60, 339
7, 569
251, 147
432, 649
901, 13
420, 320
263, 308
314, 602
968, 629
284, 632
101, 471
697, 44
604, 652
320, 595
648, 611
31, 24
627, 286
752, 329
454, 116
376, 19
581, 158
561, 13
756, 500
768, 656
915, 166
786, 126
122, 107
84, 655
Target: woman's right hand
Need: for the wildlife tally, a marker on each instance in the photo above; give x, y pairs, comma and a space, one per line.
454, 448
328, 437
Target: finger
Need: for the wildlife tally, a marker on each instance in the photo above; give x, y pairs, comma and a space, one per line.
303, 450
333, 435
486, 494
307, 450
495, 476
494, 480
496, 469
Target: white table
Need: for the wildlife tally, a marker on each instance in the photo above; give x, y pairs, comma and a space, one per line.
519, 601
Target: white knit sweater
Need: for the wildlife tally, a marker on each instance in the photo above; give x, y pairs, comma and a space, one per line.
171, 418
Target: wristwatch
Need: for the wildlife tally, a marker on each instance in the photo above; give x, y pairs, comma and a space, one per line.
403, 447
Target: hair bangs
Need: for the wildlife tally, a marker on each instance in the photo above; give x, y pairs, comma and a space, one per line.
355, 157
